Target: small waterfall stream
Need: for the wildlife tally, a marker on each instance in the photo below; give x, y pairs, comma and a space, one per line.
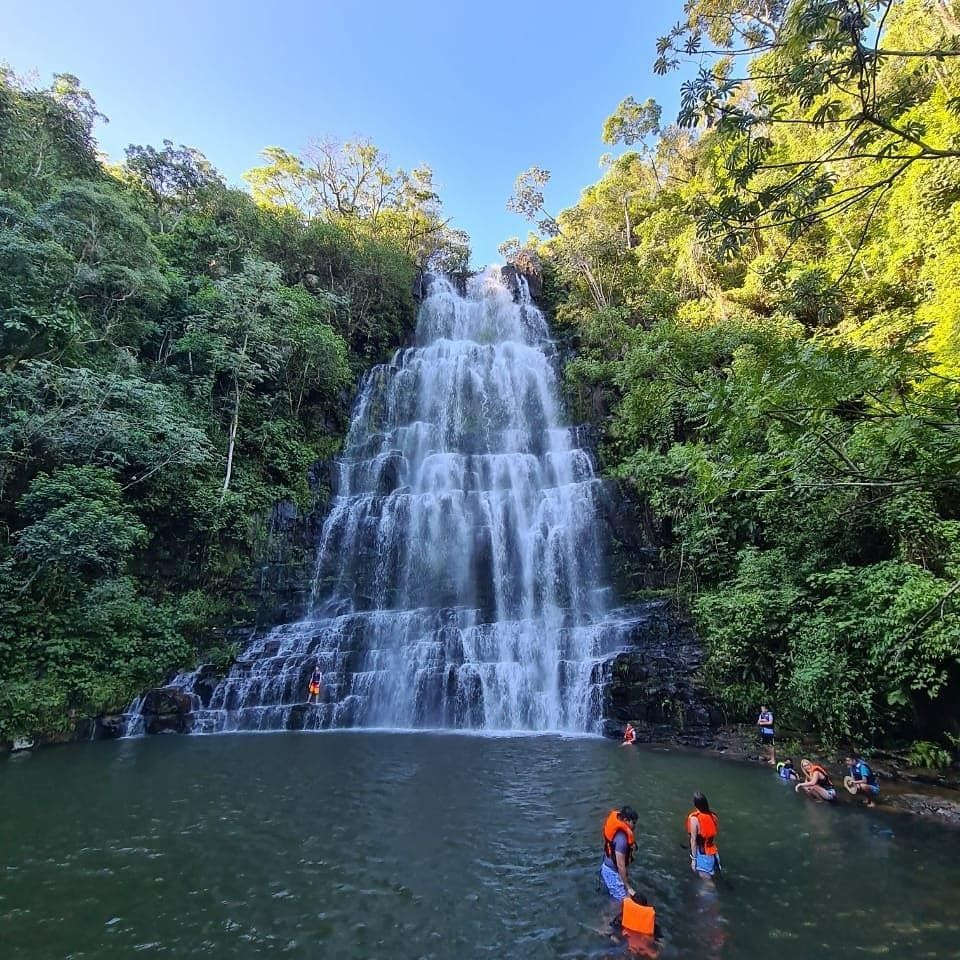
459, 577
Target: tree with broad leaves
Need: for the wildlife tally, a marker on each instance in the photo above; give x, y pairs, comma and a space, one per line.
850, 70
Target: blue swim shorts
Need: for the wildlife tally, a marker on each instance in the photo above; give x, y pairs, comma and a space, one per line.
706, 863
613, 883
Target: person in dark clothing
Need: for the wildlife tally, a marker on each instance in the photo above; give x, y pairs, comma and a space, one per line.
765, 726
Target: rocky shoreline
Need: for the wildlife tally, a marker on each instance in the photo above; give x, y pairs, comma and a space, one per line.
904, 790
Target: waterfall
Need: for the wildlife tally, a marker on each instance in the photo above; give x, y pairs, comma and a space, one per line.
459, 577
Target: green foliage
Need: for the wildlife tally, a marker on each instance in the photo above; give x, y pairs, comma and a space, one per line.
173, 359
784, 395
923, 753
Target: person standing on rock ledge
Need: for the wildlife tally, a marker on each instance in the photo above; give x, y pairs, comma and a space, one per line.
316, 682
765, 723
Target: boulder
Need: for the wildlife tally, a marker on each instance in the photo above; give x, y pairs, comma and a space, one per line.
110, 726
167, 710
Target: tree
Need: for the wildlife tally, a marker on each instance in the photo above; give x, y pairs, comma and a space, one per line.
854, 72
580, 245
178, 179
234, 336
352, 182
78, 526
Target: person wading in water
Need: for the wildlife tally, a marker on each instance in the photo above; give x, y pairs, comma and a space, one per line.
618, 849
702, 827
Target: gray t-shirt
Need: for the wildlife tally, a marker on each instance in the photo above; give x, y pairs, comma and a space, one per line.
620, 845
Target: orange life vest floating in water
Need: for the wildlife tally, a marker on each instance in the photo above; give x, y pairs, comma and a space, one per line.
611, 827
706, 831
638, 918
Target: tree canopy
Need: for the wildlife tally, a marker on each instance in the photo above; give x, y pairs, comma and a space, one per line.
763, 300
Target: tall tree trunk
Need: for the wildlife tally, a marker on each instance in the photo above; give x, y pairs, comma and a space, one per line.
231, 444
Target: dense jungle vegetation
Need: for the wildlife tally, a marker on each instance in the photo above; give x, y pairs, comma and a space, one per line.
174, 355
765, 298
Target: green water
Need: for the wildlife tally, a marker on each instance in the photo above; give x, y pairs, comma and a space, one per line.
363, 845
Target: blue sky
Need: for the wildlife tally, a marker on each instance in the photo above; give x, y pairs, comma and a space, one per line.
478, 91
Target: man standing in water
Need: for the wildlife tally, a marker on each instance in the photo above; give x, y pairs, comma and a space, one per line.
618, 849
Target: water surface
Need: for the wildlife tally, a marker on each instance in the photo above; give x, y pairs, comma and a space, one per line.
366, 845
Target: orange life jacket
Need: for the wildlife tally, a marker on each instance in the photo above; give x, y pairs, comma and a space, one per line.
826, 783
637, 917
611, 827
629, 735
706, 831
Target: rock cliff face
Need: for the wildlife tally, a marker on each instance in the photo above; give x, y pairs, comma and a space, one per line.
654, 686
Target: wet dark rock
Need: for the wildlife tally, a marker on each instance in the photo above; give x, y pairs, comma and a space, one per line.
655, 684
511, 274
207, 678
167, 710
109, 726
418, 289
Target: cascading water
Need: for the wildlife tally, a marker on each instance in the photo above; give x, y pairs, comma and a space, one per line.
459, 578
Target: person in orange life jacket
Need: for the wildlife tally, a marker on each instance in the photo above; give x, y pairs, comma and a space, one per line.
629, 736
818, 784
316, 680
765, 725
618, 850
702, 827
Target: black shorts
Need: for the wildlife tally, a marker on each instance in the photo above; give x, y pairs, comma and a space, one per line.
766, 738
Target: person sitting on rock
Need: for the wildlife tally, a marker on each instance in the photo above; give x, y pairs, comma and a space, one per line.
818, 784
629, 735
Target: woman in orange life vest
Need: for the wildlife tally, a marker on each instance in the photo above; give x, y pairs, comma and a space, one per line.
618, 849
702, 827
629, 736
817, 784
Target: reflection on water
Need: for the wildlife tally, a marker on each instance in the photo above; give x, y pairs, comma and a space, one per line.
360, 845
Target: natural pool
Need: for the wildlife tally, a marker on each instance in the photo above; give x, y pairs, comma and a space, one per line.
402, 845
